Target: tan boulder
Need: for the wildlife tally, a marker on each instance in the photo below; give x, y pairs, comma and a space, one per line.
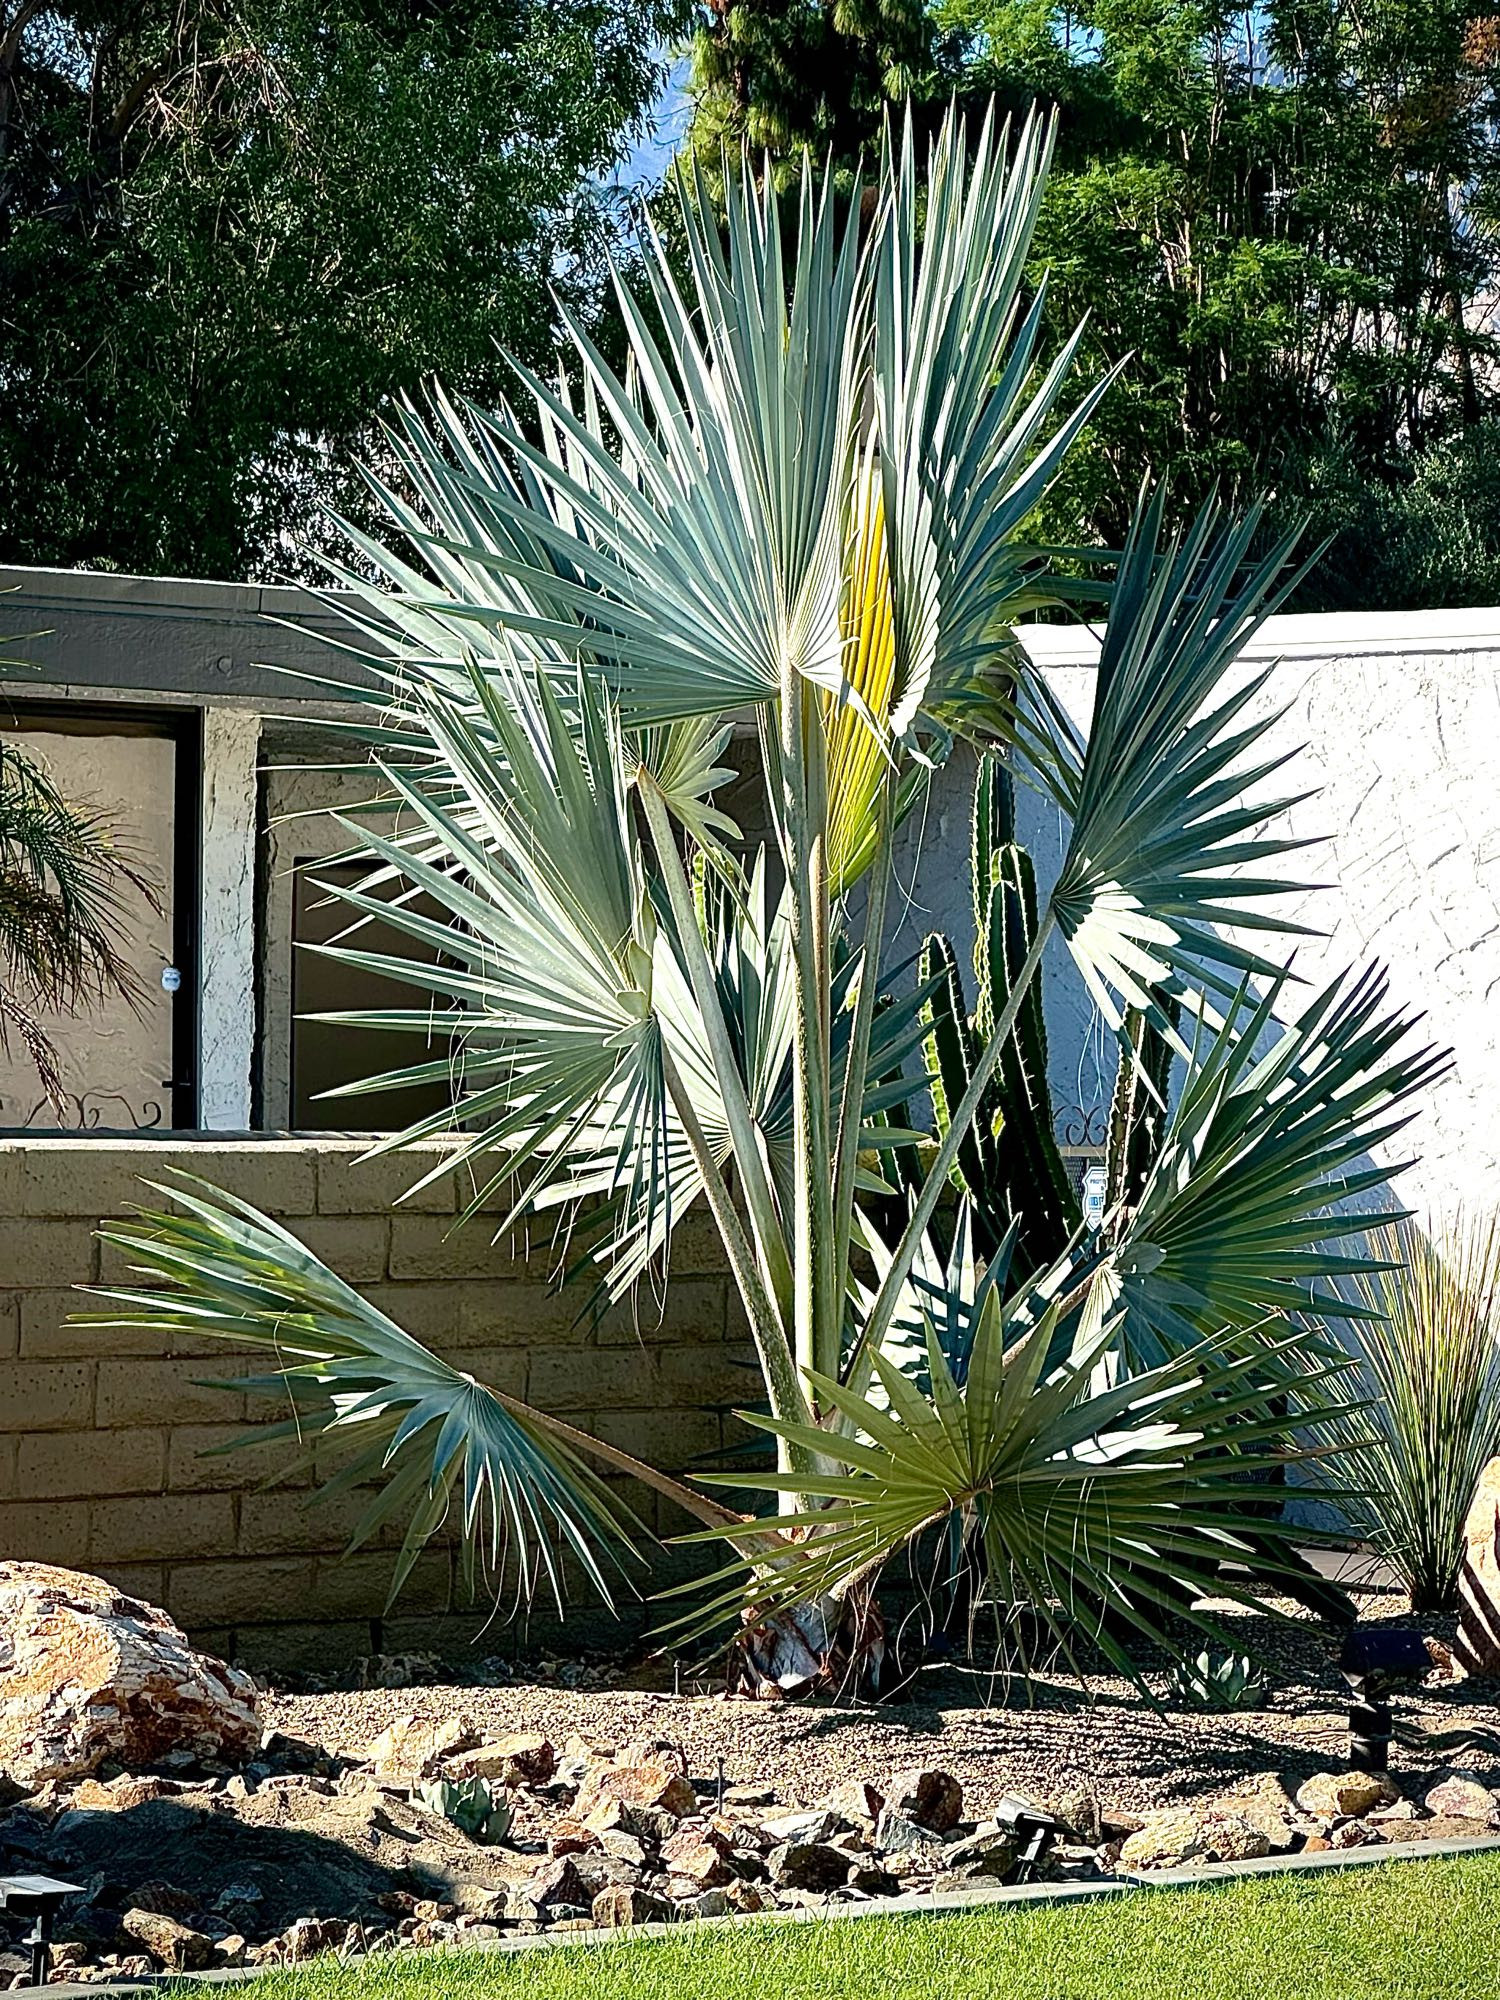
88, 1674
122, 1794
520, 1759
1460, 1797
1477, 1646
1402, 1831
1272, 1809
413, 1746
648, 1787
1167, 1840
178, 1946
1173, 1838
1347, 1794
933, 1799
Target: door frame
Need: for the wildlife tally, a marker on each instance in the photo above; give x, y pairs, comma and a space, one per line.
182, 723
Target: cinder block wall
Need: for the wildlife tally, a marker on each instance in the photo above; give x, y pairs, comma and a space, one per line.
103, 1434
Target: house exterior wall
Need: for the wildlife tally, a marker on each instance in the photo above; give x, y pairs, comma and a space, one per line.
103, 1432
1392, 723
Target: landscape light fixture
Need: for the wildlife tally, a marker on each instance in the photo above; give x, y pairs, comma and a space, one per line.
1035, 1829
1375, 1662
44, 1895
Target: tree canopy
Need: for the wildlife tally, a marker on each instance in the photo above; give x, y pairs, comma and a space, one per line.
228, 233
1285, 212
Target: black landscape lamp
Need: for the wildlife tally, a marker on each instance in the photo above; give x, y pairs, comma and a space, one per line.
1374, 1663
43, 1895
1035, 1829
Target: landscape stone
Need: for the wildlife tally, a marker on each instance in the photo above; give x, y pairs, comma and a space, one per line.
779, 1828
708, 1903
982, 1854
1347, 1794
1459, 1796
897, 1833
856, 1800
555, 1883
871, 1880
617, 1908
90, 1676
571, 1836
309, 1937
520, 1759
1436, 1829
413, 1746
809, 1864
1172, 1838
697, 1855
622, 1846
934, 1799
653, 1787
176, 1945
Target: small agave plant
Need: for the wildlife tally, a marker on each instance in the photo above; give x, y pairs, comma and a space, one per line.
474, 1805
1219, 1681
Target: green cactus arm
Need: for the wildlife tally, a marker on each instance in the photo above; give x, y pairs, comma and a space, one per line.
949, 1055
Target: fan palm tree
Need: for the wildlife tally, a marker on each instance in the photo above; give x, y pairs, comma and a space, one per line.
799, 509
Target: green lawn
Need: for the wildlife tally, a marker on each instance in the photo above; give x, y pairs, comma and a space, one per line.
1425, 1930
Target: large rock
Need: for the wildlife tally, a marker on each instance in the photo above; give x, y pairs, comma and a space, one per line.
178, 1946
1461, 1796
87, 1674
1172, 1838
1477, 1646
648, 1787
417, 1746
1347, 1794
934, 1799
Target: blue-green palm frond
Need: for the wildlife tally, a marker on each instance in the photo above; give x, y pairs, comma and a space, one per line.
1167, 826
438, 1446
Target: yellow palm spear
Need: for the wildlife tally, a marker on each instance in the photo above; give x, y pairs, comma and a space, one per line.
855, 720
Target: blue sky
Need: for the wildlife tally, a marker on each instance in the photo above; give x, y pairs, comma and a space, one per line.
648, 161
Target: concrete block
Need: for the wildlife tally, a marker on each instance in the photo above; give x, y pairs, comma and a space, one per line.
348, 1185
45, 1250
157, 1528
49, 1531
168, 1392
47, 1396
47, 1330
69, 1465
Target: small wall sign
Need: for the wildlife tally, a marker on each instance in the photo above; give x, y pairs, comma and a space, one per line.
171, 979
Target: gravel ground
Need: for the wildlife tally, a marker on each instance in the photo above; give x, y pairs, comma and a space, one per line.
1103, 1738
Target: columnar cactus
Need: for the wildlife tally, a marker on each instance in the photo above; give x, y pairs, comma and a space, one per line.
1009, 1163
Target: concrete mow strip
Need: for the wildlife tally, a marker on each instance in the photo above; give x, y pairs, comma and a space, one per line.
1208, 1875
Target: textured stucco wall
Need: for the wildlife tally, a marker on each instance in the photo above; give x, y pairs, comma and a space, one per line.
1394, 724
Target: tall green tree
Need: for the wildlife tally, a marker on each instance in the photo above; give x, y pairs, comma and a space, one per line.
1286, 213
226, 233
784, 74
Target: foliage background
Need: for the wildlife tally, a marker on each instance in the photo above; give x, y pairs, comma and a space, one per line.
1284, 213
229, 232
227, 235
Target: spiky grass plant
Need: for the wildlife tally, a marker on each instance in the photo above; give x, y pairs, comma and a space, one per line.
1429, 1352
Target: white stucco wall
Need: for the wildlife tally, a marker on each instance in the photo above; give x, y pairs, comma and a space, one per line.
1395, 719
